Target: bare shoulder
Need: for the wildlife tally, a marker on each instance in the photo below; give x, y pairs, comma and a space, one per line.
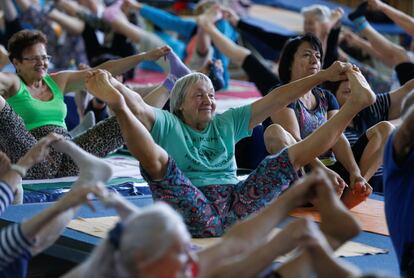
9, 84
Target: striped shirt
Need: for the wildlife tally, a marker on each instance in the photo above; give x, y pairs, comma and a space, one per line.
13, 244
367, 118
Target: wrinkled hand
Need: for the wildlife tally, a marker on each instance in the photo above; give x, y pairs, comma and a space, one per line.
354, 75
359, 186
230, 15
304, 190
39, 151
337, 182
110, 199
157, 53
336, 72
81, 194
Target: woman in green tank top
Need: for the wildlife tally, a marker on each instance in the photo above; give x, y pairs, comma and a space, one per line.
31, 103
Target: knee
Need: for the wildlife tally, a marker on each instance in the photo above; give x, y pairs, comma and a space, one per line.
277, 138
382, 130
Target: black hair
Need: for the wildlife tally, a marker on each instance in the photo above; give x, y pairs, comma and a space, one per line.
289, 50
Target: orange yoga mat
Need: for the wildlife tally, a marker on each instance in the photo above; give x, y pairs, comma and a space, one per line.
370, 214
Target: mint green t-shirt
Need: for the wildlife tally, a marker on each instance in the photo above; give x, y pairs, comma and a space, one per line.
205, 157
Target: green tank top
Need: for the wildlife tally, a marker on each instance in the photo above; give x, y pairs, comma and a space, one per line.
36, 113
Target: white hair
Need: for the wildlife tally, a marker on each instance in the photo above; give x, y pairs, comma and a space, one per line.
322, 12
180, 90
147, 236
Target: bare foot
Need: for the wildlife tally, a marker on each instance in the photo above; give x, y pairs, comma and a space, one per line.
4, 163
98, 84
375, 5
335, 17
157, 53
356, 194
210, 16
361, 94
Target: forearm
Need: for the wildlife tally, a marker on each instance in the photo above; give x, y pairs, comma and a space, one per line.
119, 66
72, 24
344, 155
51, 230
34, 225
281, 96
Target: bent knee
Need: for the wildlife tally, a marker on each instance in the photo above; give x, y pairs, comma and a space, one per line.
382, 130
277, 138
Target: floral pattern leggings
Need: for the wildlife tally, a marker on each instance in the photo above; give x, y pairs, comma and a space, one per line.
209, 210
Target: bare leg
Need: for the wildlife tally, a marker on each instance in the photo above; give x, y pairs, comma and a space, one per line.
276, 138
327, 135
369, 163
393, 54
152, 157
233, 51
157, 97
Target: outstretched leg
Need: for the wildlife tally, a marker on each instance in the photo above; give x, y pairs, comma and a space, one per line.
152, 157
327, 135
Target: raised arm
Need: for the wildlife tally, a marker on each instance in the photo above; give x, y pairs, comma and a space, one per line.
70, 81
282, 96
403, 20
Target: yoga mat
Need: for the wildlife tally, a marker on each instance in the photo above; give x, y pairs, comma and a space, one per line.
370, 214
121, 165
99, 226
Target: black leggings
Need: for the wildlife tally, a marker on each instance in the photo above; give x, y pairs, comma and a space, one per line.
264, 79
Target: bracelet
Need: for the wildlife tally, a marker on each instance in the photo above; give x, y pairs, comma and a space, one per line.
18, 169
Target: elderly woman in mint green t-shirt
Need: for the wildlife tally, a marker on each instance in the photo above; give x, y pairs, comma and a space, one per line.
35, 104
187, 155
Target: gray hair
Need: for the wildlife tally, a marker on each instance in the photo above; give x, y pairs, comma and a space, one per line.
147, 236
322, 12
180, 90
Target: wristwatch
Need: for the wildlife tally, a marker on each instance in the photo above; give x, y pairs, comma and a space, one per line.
19, 170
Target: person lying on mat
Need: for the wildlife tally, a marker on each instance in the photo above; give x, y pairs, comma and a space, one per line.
399, 187
154, 241
301, 57
187, 155
32, 236
35, 105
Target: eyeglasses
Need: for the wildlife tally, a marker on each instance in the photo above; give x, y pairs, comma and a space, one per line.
35, 59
